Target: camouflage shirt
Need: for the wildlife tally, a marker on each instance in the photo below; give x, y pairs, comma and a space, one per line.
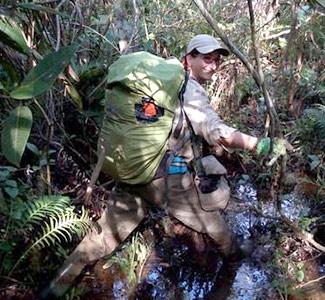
204, 119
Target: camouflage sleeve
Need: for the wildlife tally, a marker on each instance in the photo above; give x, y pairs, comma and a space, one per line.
205, 121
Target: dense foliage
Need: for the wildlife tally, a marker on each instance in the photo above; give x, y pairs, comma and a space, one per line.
54, 56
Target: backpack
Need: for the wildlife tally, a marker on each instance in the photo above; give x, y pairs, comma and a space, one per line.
141, 97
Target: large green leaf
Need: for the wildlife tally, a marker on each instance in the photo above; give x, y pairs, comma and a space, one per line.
15, 133
42, 76
12, 35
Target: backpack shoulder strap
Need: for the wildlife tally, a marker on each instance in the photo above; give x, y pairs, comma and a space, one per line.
196, 141
179, 125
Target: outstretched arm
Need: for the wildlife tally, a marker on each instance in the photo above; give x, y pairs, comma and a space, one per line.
241, 141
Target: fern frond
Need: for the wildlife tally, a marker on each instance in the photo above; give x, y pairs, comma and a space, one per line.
60, 227
63, 226
46, 207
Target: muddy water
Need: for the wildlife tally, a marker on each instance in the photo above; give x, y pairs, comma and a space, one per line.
185, 265
252, 280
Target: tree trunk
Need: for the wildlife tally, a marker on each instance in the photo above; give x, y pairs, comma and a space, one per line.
292, 63
295, 107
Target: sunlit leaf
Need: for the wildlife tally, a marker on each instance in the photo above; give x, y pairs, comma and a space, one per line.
75, 96
300, 275
12, 35
15, 133
283, 42
42, 76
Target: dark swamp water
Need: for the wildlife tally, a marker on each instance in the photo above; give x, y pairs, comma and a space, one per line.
184, 265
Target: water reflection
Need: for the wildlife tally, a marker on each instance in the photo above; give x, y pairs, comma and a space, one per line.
185, 279
179, 274
251, 282
120, 290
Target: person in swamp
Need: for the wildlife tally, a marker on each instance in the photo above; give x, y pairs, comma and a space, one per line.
194, 189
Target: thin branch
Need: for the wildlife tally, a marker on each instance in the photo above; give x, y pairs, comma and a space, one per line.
60, 4
311, 281
102, 36
95, 89
265, 24
96, 172
49, 122
81, 18
320, 3
226, 40
10, 279
276, 35
58, 33
254, 42
46, 1
58, 26
48, 139
5, 97
302, 234
135, 27
275, 130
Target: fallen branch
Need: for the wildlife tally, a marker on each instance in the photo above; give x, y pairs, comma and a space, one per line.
311, 281
302, 234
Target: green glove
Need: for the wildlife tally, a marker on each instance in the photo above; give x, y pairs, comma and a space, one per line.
263, 146
279, 148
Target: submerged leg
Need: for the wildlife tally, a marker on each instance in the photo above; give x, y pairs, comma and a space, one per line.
184, 204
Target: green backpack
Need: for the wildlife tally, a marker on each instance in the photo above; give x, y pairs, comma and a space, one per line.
140, 101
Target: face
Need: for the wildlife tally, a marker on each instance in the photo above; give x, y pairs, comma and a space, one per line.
203, 66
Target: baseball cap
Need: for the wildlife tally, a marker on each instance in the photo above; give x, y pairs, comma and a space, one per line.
205, 43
